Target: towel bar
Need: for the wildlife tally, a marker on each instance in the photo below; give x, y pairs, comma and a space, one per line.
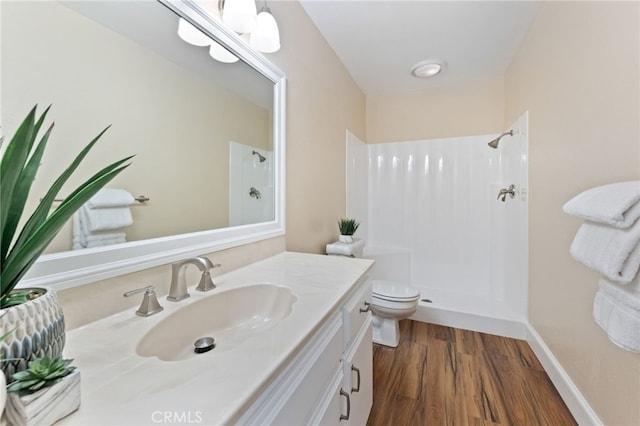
140, 198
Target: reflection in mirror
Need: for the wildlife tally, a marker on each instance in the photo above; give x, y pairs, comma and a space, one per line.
183, 114
192, 122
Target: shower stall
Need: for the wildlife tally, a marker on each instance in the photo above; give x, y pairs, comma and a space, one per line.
251, 194
448, 216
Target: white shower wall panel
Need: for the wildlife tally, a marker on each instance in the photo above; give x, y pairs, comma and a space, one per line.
432, 198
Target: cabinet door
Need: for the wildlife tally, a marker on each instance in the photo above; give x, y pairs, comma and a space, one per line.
332, 406
359, 376
356, 311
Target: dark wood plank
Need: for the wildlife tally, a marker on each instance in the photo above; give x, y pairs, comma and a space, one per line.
444, 376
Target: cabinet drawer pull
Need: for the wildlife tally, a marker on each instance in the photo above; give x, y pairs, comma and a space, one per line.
357, 370
342, 417
367, 309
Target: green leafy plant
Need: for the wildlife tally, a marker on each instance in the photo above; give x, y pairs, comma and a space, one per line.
348, 226
19, 249
41, 373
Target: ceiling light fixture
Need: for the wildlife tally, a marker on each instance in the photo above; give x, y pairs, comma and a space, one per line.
426, 69
259, 29
219, 53
266, 36
240, 15
191, 34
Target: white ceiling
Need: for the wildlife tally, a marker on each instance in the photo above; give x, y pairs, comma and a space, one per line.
379, 41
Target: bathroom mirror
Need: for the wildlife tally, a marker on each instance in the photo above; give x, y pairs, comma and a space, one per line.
182, 113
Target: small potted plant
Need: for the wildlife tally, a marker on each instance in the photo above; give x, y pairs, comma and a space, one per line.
347, 227
34, 314
48, 390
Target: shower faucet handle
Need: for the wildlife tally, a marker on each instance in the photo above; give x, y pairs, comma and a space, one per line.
511, 192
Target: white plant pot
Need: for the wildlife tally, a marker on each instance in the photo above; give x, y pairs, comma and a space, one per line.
46, 406
347, 239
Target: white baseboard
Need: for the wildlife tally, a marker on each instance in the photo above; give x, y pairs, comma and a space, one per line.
577, 404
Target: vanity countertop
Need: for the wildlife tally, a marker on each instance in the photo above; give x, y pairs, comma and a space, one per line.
121, 387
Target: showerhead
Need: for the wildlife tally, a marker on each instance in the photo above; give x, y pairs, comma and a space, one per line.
494, 143
261, 157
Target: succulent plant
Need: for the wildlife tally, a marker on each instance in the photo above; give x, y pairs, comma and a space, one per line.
41, 373
348, 226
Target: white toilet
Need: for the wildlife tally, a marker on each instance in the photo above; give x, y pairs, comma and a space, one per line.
390, 303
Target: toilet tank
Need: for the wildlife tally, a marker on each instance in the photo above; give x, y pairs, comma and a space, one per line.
392, 264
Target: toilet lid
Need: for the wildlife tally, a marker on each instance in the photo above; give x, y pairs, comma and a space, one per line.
393, 290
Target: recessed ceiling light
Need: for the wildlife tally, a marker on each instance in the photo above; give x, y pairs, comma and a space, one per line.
425, 69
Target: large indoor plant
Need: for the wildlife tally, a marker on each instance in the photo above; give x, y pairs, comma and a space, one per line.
22, 240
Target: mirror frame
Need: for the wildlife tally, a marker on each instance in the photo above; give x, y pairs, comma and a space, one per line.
74, 268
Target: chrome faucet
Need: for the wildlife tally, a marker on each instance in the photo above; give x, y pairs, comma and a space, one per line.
511, 192
178, 289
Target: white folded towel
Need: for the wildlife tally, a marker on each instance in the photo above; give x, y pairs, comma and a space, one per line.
110, 197
81, 241
93, 220
613, 252
628, 295
353, 249
619, 321
616, 204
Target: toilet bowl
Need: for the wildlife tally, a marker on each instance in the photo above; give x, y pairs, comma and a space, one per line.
390, 303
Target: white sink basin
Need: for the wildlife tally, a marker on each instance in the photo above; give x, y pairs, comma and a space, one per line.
229, 316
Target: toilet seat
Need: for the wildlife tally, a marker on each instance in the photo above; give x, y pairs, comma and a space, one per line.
394, 292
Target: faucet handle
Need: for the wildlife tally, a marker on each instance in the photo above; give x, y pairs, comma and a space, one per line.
206, 283
150, 304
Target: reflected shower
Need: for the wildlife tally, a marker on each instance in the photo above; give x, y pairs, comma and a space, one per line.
261, 157
494, 143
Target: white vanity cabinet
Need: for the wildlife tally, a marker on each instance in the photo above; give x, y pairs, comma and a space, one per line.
357, 360
330, 381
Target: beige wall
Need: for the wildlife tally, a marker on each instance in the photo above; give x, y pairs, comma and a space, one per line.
577, 73
322, 103
177, 123
464, 109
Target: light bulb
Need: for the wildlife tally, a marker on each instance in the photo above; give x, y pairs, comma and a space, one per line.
240, 15
266, 36
191, 34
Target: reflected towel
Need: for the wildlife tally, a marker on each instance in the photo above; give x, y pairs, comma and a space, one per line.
613, 252
110, 197
80, 242
93, 220
619, 321
616, 204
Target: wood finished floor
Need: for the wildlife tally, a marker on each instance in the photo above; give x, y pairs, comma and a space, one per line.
445, 376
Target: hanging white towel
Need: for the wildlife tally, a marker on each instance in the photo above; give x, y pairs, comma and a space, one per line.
110, 197
101, 220
93, 220
616, 204
613, 252
620, 321
627, 295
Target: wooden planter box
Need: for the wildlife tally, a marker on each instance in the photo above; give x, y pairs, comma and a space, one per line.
46, 406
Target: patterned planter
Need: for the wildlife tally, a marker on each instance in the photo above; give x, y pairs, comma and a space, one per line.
3, 397
37, 330
46, 406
